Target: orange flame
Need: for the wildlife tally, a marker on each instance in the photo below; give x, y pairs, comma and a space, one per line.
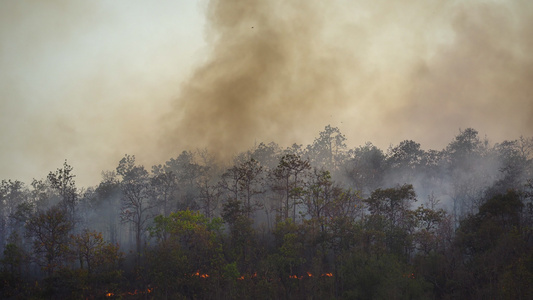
135, 292
309, 274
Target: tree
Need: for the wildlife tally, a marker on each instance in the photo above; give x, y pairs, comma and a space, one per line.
266, 154
209, 195
243, 181
427, 222
210, 190
164, 188
514, 166
188, 172
12, 194
11, 269
288, 257
391, 207
242, 234
287, 178
365, 168
319, 195
90, 249
328, 149
50, 233
404, 160
491, 242
104, 205
63, 182
188, 248
136, 202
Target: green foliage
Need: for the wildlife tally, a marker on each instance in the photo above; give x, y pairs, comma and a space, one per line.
492, 244
188, 247
386, 277
49, 231
292, 226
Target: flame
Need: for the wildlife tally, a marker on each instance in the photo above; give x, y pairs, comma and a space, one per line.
198, 274
135, 292
293, 276
241, 278
309, 274
327, 275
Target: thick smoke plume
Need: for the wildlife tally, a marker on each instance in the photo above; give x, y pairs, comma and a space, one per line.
90, 82
381, 71
270, 73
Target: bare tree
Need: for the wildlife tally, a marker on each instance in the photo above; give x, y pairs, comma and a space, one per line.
287, 178
136, 201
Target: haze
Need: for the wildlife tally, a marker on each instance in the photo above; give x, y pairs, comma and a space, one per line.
91, 81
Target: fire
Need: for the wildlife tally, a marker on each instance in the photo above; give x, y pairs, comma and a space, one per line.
135, 292
309, 274
198, 274
327, 275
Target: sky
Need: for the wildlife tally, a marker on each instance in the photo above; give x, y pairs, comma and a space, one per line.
91, 81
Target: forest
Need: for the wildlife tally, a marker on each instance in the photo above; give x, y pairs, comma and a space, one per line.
317, 221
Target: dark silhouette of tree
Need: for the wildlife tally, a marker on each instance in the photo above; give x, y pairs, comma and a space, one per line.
136, 198
328, 149
12, 194
243, 182
365, 168
288, 178
62, 181
50, 233
391, 207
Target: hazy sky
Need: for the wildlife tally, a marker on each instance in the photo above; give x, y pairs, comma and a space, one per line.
89, 81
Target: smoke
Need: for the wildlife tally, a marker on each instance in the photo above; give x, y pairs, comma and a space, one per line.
270, 73
481, 79
91, 81
87, 82
381, 71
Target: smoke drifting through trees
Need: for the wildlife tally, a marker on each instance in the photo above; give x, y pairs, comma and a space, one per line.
262, 225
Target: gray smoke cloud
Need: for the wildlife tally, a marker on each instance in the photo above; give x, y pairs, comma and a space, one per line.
381, 71
270, 73
91, 81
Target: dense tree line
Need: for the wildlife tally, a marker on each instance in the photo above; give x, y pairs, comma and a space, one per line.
315, 222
